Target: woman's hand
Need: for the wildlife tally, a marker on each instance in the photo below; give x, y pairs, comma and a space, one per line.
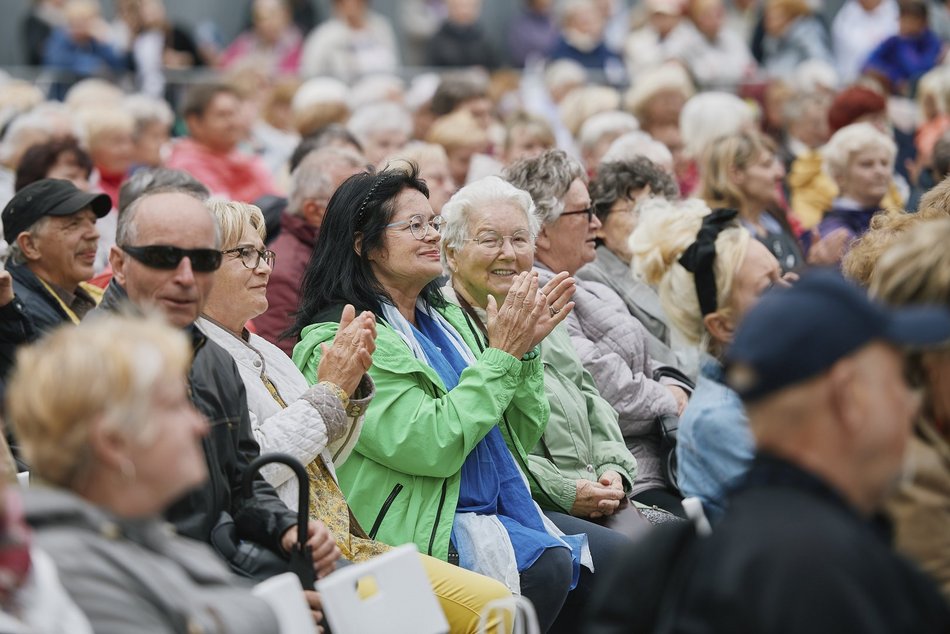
350, 355
316, 607
511, 327
557, 292
596, 500
322, 546
829, 250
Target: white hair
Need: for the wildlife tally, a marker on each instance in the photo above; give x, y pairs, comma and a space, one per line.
377, 88
638, 143
477, 195
851, 139
564, 72
312, 177
654, 81
710, 115
146, 110
813, 75
379, 117
319, 90
601, 124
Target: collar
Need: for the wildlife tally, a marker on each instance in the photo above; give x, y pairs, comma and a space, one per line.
299, 228
711, 368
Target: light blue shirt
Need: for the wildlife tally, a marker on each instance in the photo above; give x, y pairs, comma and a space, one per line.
714, 445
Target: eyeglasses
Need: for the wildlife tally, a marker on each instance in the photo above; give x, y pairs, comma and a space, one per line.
251, 257
418, 226
168, 258
589, 211
492, 242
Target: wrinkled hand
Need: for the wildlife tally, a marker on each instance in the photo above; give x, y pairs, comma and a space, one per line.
829, 250
350, 355
596, 500
681, 396
6, 288
316, 607
558, 293
322, 546
511, 326
614, 480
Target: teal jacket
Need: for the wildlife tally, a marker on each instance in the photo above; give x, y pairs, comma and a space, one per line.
402, 478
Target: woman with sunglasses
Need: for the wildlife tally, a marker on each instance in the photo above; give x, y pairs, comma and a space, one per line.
431, 465
316, 424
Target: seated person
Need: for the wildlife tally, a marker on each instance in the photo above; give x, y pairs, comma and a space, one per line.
103, 413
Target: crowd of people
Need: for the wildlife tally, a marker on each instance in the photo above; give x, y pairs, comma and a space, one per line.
644, 318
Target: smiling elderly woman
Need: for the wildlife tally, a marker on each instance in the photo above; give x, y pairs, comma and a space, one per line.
861, 160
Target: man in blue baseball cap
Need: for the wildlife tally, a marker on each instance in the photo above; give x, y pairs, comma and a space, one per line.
821, 371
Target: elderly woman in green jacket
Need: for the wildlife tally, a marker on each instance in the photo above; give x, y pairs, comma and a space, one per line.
431, 465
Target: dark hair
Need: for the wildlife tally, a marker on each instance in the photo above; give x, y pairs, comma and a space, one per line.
453, 91
916, 8
615, 181
39, 159
200, 96
941, 158
336, 274
326, 135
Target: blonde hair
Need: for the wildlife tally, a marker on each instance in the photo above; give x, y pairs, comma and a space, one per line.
106, 368
728, 153
886, 229
654, 81
710, 115
916, 268
666, 229
97, 122
582, 103
232, 216
93, 93
457, 130
793, 8
420, 152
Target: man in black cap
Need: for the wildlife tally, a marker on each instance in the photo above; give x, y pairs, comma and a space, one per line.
50, 226
822, 374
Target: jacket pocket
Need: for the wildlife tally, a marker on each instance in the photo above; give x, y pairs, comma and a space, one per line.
384, 509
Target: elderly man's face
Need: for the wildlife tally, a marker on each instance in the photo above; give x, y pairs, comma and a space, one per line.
175, 220
63, 249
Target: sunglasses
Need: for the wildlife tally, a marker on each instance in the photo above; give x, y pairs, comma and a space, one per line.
168, 258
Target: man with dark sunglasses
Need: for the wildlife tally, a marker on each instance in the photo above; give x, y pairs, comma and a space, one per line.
166, 251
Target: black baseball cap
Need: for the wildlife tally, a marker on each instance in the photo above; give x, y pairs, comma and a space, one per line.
48, 197
796, 333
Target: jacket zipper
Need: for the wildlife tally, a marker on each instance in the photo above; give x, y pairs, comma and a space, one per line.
384, 509
438, 516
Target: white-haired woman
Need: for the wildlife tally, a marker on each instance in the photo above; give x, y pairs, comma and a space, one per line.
610, 341
103, 417
861, 160
382, 129
704, 298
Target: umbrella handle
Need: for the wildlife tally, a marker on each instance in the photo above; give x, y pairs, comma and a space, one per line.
303, 486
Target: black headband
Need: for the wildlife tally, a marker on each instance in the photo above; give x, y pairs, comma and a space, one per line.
700, 257
377, 181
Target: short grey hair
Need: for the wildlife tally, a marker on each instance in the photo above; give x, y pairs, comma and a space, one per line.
15, 254
146, 110
126, 230
162, 179
853, 138
311, 178
546, 178
598, 126
468, 201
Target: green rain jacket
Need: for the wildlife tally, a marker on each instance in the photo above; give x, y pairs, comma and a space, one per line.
402, 478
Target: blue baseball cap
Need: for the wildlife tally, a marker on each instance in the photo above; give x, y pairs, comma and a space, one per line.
796, 333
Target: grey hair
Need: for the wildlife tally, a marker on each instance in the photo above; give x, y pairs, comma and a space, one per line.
379, 117
547, 178
15, 254
17, 131
126, 230
146, 110
634, 144
849, 140
311, 178
458, 211
160, 179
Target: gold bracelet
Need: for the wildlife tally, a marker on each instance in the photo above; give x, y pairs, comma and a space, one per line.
340, 393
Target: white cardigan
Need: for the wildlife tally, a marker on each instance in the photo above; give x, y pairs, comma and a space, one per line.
298, 429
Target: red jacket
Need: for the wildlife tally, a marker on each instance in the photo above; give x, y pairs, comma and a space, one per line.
293, 248
234, 175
